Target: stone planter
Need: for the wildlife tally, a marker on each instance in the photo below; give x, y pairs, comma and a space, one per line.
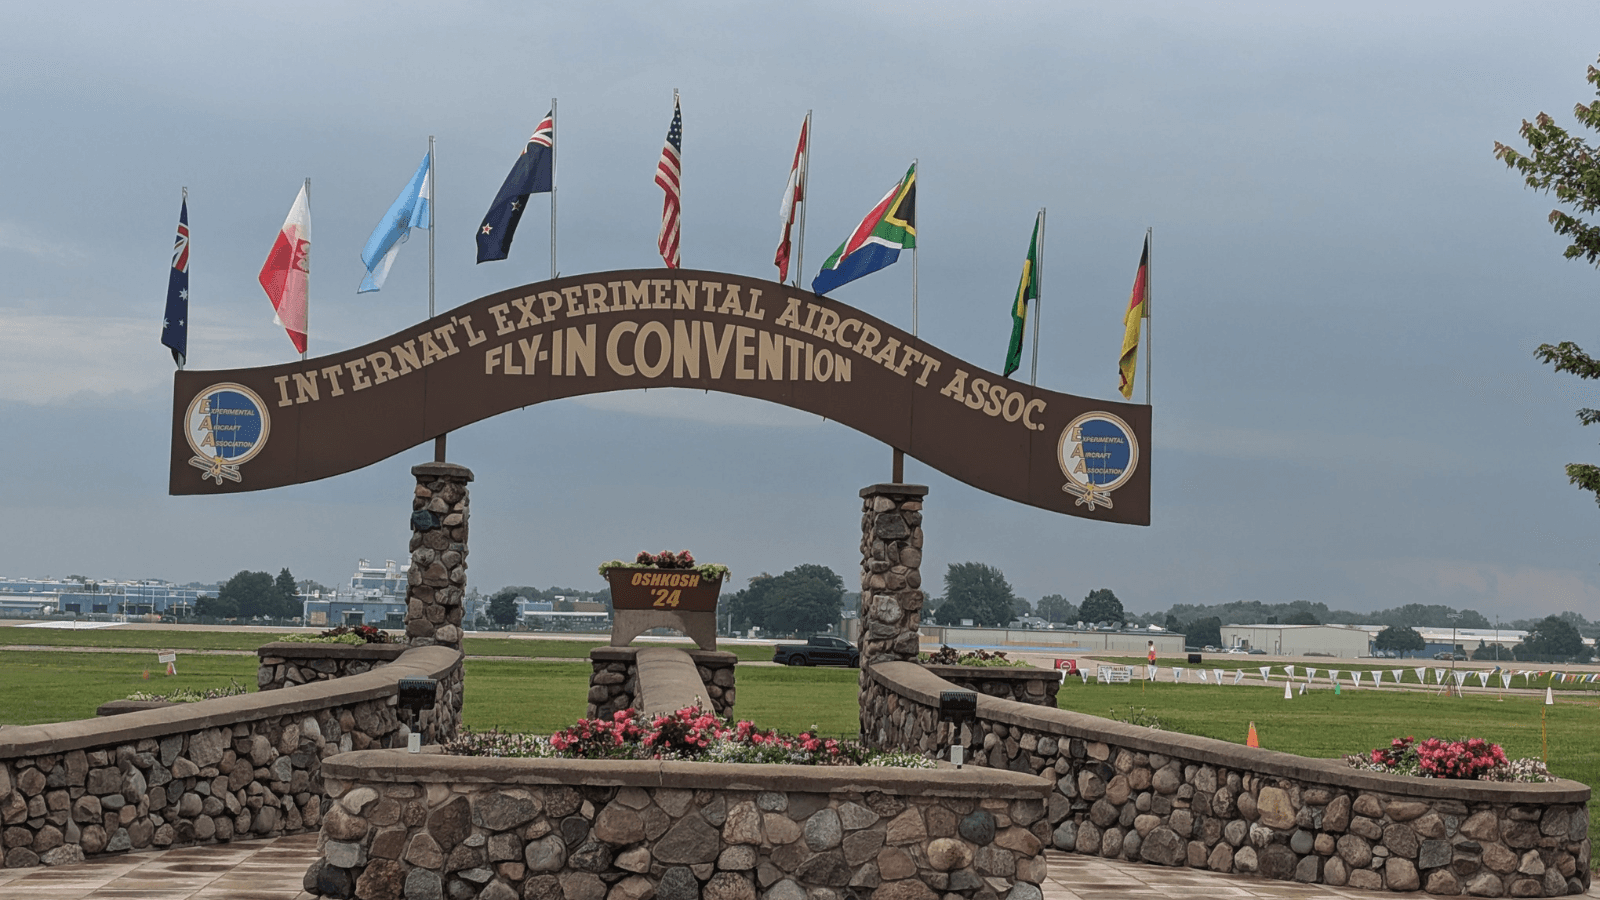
429, 825
666, 590
1034, 686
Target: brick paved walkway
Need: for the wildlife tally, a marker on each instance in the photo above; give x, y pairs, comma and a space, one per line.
272, 870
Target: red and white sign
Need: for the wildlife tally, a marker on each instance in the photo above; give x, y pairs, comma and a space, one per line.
1070, 666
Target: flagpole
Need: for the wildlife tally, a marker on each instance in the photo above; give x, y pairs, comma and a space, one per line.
918, 238
433, 171
308, 278
552, 187
1149, 291
899, 469
186, 278
1038, 302
805, 201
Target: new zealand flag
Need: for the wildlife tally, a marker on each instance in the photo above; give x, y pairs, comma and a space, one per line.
533, 173
175, 323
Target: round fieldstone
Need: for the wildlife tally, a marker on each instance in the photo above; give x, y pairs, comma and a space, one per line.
786, 889
732, 886
978, 827
547, 854
948, 854
823, 831
1065, 837
1164, 847
422, 884
678, 883
1302, 841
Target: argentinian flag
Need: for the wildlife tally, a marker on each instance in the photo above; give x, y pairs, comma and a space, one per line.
412, 209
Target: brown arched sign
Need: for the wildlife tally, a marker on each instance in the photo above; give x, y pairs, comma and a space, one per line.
249, 429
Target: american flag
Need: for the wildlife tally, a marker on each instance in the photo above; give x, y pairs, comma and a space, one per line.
667, 175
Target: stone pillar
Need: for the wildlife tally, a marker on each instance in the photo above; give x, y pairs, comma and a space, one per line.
438, 577
891, 573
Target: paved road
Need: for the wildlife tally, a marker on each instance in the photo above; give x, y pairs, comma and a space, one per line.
273, 869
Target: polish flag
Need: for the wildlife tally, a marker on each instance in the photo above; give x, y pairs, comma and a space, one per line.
286, 275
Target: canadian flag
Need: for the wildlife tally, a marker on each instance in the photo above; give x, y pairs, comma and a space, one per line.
794, 192
286, 275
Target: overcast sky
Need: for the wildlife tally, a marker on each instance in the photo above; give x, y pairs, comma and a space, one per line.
1347, 286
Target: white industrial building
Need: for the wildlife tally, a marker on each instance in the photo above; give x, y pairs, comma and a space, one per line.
1343, 641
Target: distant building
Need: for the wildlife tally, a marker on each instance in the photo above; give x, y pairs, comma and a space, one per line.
1343, 641
375, 595
106, 599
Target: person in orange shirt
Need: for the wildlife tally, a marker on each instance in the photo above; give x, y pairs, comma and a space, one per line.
1152, 653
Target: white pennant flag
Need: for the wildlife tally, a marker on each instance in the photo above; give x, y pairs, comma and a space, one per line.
1461, 677
1202, 674
1505, 679
1177, 674
1333, 676
1438, 676
1265, 671
1422, 675
1397, 673
1310, 673
1289, 671
1150, 673
1238, 676
1377, 677
1483, 677
1355, 677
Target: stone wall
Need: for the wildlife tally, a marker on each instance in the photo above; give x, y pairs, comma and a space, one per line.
1034, 686
437, 580
548, 829
1124, 791
289, 663
614, 681
189, 773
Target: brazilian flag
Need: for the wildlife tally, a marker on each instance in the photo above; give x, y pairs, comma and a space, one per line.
1027, 292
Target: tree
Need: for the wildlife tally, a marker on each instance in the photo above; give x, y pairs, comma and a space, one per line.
1399, 639
1020, 607
1056, 608
251, 595
978, 592
1203, 632
806, 599
1565, 165
1102, 606
1301, 617
503, 606
288, 596
1553, 640
216, 607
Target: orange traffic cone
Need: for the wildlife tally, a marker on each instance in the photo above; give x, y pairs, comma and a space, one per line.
1252, 740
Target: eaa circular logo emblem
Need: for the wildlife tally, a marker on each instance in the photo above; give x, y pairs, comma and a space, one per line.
1098, 453
227, 425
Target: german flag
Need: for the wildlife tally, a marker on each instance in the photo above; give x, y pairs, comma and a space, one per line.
1138, 308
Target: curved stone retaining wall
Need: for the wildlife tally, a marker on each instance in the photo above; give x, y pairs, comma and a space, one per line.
200, 772
1125, 791
614, 681
287, 663
1024, 684
400, 825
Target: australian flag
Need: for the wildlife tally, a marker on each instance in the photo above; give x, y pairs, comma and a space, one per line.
175, 323
533, 173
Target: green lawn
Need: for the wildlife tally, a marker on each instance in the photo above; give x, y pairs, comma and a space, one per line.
1252, 666
39, 686
176, 639
541, 697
